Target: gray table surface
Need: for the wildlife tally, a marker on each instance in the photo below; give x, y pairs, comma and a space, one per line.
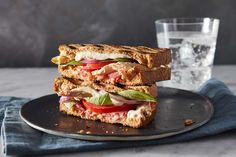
36, 82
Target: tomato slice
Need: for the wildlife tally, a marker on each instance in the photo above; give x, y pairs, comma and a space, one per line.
96, 66
107, 109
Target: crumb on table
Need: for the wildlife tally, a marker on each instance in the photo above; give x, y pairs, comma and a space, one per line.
188, 122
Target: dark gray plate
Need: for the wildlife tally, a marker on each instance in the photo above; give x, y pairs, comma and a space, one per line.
175, 106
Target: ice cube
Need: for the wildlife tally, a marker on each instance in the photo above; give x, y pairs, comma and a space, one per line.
186, 54
204, 48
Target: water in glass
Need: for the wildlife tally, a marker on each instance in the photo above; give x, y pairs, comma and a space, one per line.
192, 57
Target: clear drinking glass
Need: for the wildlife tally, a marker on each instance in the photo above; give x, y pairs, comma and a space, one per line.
192, 42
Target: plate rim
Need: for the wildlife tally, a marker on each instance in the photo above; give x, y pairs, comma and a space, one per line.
106, 137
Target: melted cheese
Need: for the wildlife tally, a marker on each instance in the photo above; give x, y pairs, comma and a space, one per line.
138, 113
98, 56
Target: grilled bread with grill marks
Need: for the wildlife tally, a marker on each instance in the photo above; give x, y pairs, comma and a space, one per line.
63, 86
150, 57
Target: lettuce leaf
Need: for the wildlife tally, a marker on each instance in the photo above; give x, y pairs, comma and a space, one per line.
137, 95
119, 60
124, 60
103, 99
73, 62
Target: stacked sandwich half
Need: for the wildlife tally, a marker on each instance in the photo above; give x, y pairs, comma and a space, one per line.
113, 84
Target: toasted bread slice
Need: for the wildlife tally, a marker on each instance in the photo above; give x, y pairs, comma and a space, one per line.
131, 74
63, 86
139, 117
150, 57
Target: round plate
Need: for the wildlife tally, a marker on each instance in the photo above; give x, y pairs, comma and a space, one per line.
174, 107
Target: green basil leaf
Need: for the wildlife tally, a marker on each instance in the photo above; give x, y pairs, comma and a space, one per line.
100, 100
124, 59
107, 60
136, 95
73, 62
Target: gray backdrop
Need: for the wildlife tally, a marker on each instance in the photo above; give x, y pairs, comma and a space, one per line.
30, 30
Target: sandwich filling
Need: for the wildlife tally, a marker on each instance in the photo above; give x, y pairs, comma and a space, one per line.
87, 98
131, 117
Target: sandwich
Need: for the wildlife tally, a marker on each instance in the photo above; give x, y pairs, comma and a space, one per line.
112, 84
124, 65
132, 106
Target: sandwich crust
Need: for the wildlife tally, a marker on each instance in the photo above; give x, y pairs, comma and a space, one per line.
150, 57
139, 117
63, 86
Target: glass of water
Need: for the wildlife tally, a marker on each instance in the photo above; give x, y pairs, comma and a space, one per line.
192, 42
